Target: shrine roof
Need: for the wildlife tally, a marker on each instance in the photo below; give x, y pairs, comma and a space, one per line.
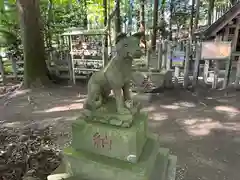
221, 22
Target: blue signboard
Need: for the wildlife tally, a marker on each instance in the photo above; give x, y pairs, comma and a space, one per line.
178, 58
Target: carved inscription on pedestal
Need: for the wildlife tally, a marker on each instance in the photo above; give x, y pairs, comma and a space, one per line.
101, 141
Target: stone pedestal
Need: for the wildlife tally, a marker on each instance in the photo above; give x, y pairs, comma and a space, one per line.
105, 152
111, 141
160, 79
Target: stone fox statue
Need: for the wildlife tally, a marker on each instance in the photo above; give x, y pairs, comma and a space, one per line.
116, 75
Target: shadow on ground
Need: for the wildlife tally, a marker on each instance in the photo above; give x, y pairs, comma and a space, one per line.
201, 128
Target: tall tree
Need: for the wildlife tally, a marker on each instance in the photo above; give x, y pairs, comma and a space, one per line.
155, 20
35, 69
142, 22
118, 17
197, 14
171, 19
49, 24
105, 8
210, 11
191, 21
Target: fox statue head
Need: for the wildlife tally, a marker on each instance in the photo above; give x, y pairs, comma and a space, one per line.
128, 45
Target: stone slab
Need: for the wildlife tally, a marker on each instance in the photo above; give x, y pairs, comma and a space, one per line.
171, 169
164, 168
161, 164
91, 166
115, 142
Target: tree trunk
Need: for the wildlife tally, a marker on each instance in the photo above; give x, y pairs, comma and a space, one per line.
191, 21
196, 17
49, 24
35, 69
142, 22
142, 16
85, 21
233, 2
171, 16
105, 14
105, 7
130, 11
118, 18
162, 26
197, 14
155, 20
210, 11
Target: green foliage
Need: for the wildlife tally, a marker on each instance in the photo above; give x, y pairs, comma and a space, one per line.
9, 31
58, 15
181, 12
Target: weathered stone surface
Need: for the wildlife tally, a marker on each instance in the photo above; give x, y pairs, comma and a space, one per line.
91, 166
171, 170
110, 140
167, 76
58, 176
106, 114
156, 79
161, 164
115, 76
164, 168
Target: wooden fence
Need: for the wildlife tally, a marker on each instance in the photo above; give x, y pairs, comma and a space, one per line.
187, 73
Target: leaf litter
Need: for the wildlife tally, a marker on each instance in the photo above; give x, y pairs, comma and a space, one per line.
28, 154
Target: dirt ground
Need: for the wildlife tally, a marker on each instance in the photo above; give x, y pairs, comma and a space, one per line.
202, 128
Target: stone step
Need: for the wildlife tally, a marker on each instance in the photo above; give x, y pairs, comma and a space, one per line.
165, 169
163, 160
91, 166
161, 165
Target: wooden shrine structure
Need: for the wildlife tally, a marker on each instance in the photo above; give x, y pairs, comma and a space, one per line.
226, 28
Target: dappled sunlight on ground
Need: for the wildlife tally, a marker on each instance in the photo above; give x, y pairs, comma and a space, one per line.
201, 131
199, 126
148, 109
73, 106
79, 100
173, 107
229, 110
11, 124
19, 93
158, 116
185, 104
231, 126
179, 105
204, 126
57, 119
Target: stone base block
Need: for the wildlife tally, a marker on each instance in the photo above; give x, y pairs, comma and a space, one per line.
166, 76
154, 164
91, 166
159, 79
111, 141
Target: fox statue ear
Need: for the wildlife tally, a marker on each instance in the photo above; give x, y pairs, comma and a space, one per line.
138, 35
